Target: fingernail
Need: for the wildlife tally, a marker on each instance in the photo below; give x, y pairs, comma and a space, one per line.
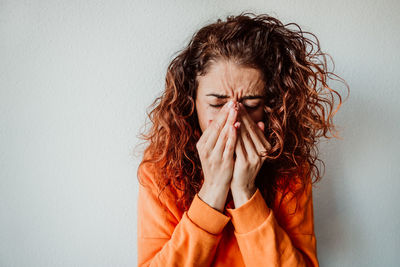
230, 104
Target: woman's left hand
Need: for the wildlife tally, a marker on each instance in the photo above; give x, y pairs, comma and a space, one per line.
251, 148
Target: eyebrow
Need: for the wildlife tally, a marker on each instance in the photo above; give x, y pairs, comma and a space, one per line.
242, 98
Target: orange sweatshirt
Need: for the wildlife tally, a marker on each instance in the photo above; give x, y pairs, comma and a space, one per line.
251, 235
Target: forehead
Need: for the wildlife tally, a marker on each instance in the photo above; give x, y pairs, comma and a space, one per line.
228, 78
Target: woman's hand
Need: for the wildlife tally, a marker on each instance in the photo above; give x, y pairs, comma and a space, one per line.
251, 148
216, 147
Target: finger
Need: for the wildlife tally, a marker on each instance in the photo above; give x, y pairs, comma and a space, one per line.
224, 135
256, 134
248, 144
239, 149
210, 135
230, 143
261, 125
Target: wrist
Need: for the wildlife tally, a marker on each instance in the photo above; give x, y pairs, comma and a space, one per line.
241, 195
214, 195
243, 187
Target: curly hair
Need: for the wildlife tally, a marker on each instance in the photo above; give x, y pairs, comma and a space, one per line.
298, 103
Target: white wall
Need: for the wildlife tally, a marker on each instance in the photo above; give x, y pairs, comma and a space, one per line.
76, 78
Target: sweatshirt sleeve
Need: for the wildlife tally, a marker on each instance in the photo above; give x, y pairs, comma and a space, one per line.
265, 242
164, 240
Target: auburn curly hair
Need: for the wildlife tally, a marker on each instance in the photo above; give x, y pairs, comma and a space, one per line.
298, 103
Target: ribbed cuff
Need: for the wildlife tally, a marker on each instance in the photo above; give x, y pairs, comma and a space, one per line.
206, 217
250, 215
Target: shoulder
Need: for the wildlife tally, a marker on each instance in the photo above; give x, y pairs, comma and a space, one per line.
148, 172
153, 178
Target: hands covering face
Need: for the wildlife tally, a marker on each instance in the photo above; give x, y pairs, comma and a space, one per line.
251, 150
233, 131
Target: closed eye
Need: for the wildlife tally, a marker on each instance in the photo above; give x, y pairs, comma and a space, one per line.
249, 107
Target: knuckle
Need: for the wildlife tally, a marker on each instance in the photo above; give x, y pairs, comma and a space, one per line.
218, 125
198, 145
254, 159
200, 153
247, 165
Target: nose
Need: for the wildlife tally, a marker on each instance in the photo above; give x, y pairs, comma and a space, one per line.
236, 106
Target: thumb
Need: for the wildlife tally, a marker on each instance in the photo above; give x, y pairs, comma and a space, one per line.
261, 125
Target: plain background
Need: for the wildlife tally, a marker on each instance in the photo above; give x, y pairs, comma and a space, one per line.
76, 78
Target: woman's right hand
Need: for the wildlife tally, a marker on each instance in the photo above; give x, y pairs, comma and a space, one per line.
216, 147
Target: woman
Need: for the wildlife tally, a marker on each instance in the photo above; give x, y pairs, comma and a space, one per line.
226, 179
